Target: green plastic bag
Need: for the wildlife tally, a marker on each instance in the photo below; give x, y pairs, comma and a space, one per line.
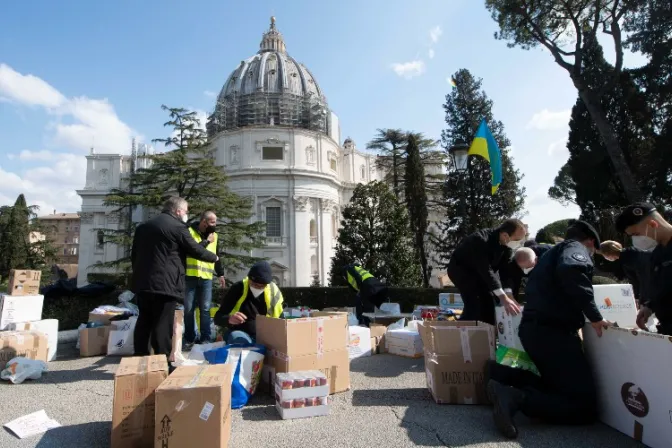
515, 358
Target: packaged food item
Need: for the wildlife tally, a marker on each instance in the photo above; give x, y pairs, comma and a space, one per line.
284, 380
287, 404
299, 403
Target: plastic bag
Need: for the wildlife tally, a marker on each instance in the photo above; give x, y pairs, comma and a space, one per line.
125, 296
247, 362
17, 370
82, 326
515, 358
120, 342
197, 350
390, 308
398, 325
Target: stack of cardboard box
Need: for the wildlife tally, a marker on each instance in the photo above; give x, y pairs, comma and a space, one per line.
23, 333
192, 406
314, 343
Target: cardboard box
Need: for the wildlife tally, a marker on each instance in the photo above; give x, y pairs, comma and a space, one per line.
617, 304
631, 369
449, 300
305, 336
93, 341
193, 407
135, 381
378, 331
26, 344
455, 358
23, 282
15, 309
507, 328
404, 342
104, 319
47, 326
360, 342
334, 364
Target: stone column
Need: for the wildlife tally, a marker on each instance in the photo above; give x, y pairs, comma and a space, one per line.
327, 237
301, 268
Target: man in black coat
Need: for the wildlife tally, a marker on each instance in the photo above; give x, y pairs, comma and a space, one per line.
559, 297
158, 256
474, 267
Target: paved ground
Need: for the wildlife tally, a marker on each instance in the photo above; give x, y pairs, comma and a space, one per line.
387, 406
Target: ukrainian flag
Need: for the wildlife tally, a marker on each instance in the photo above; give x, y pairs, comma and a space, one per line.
484, 145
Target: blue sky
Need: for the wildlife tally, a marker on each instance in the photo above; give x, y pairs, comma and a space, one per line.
77, 74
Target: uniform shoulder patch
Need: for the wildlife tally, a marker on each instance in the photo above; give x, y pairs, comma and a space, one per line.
579, 257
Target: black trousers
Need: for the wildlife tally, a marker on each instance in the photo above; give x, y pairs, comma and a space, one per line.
565, 392
155, 323
478, 301
365, 302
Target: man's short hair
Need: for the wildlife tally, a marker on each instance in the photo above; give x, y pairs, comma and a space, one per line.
174, 203
524, 254
206, 214
530, 243
511, 225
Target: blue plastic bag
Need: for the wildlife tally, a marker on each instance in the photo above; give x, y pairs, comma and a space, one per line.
247, 362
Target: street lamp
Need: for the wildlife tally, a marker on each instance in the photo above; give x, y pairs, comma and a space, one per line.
459, 153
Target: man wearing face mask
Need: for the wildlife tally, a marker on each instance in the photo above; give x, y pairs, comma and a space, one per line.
650, 232
523, 262
199, 280
559, 297
474, 269
158, 256
255, 295
636, 265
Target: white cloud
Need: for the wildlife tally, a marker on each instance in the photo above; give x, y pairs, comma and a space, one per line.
431, 53
410, 69
94, 121
28, 89
33, 155
51, 187
558, 148
435, 33
547, 120
210, 93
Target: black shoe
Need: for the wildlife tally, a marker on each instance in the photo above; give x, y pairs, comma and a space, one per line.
506, 402
487, 376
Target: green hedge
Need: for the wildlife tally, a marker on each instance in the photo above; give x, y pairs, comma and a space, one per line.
73, 311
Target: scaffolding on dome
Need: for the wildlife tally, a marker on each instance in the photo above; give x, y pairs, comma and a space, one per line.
262, 109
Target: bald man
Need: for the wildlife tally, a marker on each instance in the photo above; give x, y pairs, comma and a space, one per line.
524, 260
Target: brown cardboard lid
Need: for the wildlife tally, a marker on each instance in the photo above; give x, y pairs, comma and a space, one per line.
186, 377
142, 364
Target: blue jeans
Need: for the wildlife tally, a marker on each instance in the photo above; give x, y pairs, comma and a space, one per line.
239, 337
199, 293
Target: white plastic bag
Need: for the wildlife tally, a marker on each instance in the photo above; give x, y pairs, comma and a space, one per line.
120, 342
125, 302
196, 353
18, 370
398, 325
78, 330
390, 308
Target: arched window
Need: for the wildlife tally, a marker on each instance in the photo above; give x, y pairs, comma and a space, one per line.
313, 265
100, 239
313, 229
362, 172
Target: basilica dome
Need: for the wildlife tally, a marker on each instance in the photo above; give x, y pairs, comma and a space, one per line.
270, 89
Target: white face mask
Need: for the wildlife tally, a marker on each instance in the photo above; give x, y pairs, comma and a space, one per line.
527, 270
514, 244
645, 243
185, 218
256, 292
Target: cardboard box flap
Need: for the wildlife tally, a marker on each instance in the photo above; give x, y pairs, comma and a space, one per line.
187, 377
457, 337
142, 364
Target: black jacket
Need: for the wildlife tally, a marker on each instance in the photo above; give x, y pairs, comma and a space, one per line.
636, 266
159, 253
219, 269
482, 254
512, 276
559, 290
661, 284
251, 308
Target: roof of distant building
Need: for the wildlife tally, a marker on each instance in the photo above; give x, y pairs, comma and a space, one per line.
60, 216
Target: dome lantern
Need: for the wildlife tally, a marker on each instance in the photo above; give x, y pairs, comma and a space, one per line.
272, 40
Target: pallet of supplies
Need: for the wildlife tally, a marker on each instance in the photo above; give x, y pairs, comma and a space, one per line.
301, 394
23, 282
135, 382
631, 369
314, 343
455, 357
15, 309
193, 408
22, 344
47, 326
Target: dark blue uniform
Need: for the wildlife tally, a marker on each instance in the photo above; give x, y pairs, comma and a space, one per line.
559, 294
636, 265
661, 287
512, 276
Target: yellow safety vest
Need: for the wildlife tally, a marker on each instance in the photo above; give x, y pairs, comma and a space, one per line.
198, 268
361, 273
272, 296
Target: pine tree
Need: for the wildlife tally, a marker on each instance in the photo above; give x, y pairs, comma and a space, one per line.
465, 107
375, 232
416, 201
187, 169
